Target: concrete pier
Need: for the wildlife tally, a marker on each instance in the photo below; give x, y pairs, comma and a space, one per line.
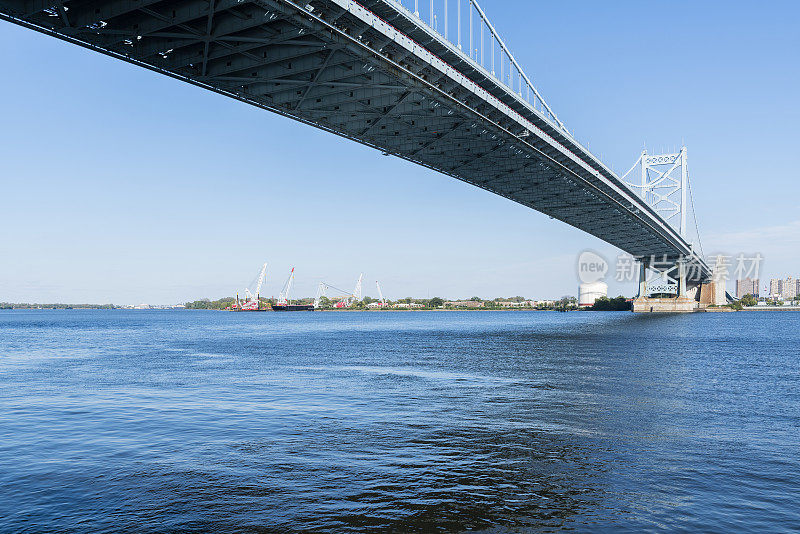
709, 295
664, 305
713, 293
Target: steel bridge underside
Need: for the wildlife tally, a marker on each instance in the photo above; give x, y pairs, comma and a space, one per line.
371, 73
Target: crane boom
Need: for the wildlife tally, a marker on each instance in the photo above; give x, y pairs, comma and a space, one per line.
322, 289
283, 298
357, 291
261, 279
380, 293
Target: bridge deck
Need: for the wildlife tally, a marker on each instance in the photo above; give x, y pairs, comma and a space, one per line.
373, 73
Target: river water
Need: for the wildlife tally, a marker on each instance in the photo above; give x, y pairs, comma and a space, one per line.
176, 421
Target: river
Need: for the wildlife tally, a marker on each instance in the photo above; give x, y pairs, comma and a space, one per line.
193, 421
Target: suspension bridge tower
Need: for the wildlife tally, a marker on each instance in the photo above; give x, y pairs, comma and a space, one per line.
666, 284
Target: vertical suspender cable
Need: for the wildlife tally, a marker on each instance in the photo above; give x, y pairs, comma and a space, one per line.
459, 23
471, 45
445, 19
545, 108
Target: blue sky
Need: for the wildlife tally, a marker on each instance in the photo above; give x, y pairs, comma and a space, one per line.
120, 185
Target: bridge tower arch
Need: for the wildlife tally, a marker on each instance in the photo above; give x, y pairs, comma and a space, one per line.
664, 183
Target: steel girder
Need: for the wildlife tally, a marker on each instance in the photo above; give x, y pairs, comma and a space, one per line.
370, 73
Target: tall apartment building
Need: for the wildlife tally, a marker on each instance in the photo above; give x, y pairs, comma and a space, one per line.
789, 289
748, 286
775, 287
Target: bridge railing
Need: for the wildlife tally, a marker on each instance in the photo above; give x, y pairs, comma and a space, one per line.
487, 50
474, 30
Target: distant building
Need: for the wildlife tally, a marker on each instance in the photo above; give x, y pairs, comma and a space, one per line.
748, 286
464, 303
406, 305
775, 288
789, 289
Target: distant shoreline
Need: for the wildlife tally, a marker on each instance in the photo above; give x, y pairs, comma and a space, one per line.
325, 310
772, 308
334, 310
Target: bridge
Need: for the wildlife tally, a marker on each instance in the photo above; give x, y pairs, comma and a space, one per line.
438, 88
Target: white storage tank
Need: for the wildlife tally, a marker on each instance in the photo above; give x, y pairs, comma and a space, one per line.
589, 293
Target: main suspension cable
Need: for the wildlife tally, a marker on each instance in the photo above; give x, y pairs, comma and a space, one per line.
694, 216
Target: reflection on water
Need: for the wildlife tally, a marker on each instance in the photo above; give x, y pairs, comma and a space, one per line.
182, 421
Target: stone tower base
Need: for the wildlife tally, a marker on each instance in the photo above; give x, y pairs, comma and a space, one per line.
668, 305
713, 293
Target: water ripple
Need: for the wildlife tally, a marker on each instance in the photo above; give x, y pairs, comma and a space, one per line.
364, 422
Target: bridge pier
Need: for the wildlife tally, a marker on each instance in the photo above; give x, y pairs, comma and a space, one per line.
713, 294
642, 279
682, 279
709, 294
682, 303
664, 305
